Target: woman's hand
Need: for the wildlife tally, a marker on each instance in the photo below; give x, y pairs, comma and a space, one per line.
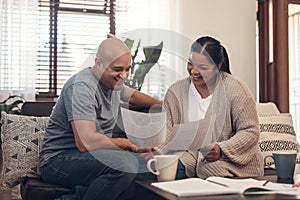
213, 152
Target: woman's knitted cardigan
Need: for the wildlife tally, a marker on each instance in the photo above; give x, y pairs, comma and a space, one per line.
233, 118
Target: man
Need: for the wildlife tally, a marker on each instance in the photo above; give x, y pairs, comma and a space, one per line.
78, 149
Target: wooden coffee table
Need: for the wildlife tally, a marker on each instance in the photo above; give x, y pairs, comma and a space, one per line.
149, 192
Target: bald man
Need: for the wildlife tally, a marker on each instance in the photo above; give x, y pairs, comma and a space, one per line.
78, 150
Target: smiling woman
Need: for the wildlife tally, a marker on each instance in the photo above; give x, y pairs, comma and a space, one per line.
215, 100
202, 71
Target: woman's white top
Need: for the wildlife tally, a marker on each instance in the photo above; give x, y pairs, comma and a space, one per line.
197, 105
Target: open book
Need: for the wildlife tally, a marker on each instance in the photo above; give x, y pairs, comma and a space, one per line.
219, 186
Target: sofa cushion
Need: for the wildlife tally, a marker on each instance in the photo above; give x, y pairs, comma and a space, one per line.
266, 109
277, 134
22, 138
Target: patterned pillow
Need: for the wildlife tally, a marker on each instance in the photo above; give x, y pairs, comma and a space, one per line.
277, 134
22, 138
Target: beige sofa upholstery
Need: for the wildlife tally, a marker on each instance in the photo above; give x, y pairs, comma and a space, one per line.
267, 109
276, 133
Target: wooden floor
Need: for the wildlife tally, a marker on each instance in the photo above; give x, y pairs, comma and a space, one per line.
12, 194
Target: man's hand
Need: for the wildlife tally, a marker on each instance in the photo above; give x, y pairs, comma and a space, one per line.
125, 144
213, 152
146, 153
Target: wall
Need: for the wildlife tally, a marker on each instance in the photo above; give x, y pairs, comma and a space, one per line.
233, 22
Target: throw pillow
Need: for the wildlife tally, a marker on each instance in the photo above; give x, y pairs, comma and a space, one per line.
266, 109
277, 134
22, 138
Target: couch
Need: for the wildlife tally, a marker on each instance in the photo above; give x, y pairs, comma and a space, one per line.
31, 185
276, 134
22, 136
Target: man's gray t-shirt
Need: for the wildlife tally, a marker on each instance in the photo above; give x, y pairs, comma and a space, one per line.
81, 98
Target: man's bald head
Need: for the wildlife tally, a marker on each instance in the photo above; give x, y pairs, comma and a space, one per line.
110, 49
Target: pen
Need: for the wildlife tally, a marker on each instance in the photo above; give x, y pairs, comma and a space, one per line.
218, 183
265, 183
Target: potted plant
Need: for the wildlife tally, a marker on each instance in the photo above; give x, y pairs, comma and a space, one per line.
139, 69
11, 104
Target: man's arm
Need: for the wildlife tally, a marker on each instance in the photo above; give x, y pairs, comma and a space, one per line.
86, 138
140, 99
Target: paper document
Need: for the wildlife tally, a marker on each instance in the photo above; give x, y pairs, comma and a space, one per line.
146, 130
191, 135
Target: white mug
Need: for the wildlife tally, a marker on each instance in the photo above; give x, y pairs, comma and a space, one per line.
165, 167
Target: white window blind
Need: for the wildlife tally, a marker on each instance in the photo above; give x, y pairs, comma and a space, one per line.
17, 47
69, 31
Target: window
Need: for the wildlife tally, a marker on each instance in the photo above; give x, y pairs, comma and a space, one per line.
267, 78
68, 31
294, 64
17, 47
136, 20
44, 42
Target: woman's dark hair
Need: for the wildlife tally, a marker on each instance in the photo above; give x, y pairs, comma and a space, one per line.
212, 49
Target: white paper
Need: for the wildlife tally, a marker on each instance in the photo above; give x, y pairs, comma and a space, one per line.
253, 186
146, 130
191, 136
193, 187
218, 186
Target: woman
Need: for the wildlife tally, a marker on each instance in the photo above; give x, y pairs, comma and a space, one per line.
211, 93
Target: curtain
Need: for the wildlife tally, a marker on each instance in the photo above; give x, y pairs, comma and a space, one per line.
18, 48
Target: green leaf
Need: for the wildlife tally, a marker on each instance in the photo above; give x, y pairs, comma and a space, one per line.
129, 43
141, 73
110, 35
152, 53
16, 103
2, 107
134, 56
11, 97
136, 51
13, 107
